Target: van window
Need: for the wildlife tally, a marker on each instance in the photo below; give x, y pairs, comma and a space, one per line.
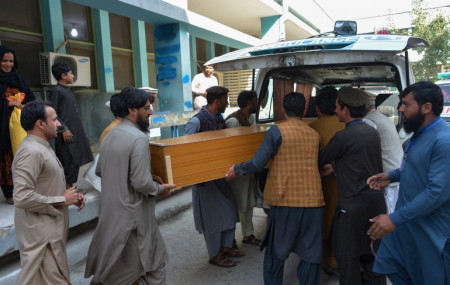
266, 104
387, 100
308, 80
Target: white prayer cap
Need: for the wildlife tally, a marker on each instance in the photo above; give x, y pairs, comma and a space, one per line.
149, 90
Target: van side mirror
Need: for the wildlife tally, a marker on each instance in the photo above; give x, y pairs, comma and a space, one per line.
345, 28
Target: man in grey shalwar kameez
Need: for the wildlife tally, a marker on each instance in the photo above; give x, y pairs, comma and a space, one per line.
127, 247
215, 210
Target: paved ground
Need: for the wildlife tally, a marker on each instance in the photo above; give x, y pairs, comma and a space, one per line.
188, 257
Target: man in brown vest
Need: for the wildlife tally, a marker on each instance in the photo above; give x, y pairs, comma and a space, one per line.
294, 193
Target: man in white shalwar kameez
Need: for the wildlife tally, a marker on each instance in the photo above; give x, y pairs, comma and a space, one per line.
41, 200
200, 83
127, 247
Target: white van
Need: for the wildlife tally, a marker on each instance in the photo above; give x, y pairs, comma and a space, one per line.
376, 62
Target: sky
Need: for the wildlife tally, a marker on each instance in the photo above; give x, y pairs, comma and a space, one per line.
366, 12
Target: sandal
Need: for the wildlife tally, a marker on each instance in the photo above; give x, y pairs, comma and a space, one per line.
221, 261
229, 252
251, 239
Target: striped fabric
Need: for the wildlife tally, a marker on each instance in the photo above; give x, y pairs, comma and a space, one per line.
294, 179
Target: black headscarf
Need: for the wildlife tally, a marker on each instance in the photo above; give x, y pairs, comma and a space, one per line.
10, 79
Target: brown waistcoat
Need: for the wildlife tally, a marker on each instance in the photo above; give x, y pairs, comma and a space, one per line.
294, 179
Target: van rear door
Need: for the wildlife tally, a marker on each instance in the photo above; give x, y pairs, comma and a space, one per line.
364, 61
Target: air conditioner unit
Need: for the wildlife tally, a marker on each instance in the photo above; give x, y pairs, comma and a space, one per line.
81, 68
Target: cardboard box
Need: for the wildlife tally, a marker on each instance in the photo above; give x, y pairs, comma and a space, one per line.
206, 156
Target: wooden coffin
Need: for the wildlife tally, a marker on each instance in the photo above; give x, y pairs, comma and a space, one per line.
204, 156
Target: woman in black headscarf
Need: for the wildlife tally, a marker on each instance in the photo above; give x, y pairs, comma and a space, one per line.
11, 83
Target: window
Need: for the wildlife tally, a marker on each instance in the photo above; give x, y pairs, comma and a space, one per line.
76, 20
80, 43
27, 54
387, 99
29, 19
150, 55
201, 54
121, 51
123, 69
24, 36
236, 81
120, 31
218, 49
266, 105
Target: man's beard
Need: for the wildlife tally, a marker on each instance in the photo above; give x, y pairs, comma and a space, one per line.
222, 109
413, 123
143, 124
254, 110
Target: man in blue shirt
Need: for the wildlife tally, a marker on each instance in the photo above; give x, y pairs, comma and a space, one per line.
415, 248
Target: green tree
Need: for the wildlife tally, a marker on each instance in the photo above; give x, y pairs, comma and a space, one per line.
436, 30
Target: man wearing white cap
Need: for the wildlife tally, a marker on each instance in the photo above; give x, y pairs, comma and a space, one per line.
391, 148
200, 83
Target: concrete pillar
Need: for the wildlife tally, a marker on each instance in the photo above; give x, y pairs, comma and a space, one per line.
193, 47
53, 25
225, 49
140, 53
173, 67
272, 29
103, 49
210, 50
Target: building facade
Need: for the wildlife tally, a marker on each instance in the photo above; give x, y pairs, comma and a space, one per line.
161, 44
